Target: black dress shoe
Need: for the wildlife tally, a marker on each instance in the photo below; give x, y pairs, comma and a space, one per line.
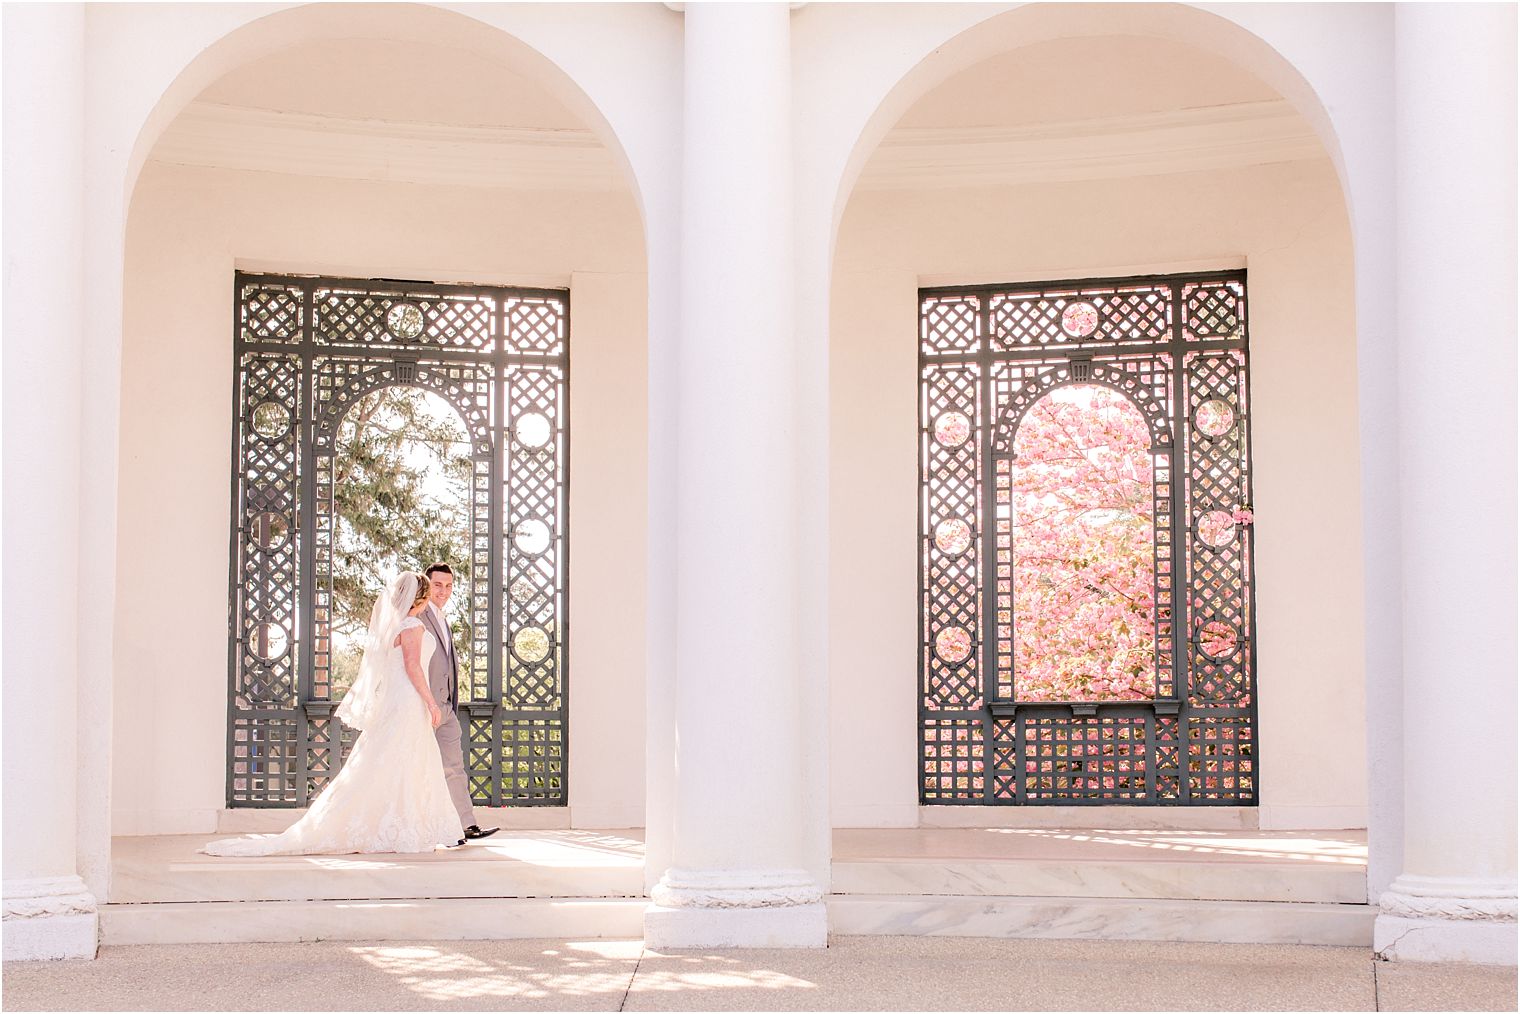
473, 832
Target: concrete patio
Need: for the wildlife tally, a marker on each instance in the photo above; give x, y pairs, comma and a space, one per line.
855, 973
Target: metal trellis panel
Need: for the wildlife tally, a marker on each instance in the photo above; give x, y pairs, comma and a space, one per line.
307, 349
1174, 349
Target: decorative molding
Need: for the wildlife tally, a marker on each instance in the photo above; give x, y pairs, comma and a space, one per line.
680, 8
1318, 818
1186, 140
221, 136
870, 815
1097, 818
1454, 898
138, 822
46, 896
265, 140
601, 816
680, 889
260, 820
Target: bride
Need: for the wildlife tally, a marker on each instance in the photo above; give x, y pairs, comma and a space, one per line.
390, 795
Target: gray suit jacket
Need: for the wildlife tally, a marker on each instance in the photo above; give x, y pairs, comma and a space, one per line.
443, 667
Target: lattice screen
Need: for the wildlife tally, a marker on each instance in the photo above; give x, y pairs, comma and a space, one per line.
307, 349
1174, 350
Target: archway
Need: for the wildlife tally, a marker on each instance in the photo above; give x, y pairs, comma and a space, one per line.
1035, 146
486, 217
1079, 525
402, 472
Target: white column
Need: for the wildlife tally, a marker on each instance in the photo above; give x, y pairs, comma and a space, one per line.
737, 876
48, 911
1455, 899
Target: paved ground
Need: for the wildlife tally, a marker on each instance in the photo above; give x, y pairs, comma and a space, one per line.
855, 973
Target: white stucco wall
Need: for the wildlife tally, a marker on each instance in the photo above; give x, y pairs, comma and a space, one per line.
1286, 224
188, 230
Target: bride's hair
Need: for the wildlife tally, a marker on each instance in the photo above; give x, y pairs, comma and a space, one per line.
422, 592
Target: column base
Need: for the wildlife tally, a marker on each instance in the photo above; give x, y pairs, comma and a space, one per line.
738, 908
1447, 919
49, 918
1480, 943
673, 929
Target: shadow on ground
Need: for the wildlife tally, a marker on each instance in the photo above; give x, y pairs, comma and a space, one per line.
855, 973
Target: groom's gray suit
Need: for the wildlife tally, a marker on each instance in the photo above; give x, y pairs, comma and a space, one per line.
443, 680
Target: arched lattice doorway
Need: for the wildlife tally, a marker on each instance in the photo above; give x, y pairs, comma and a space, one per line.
1138, 388
307, 351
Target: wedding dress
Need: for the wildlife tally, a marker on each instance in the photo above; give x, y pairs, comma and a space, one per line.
390, 795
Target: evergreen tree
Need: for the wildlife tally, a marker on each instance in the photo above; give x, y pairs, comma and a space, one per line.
401, 493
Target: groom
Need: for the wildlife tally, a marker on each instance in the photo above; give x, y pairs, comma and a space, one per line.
443, 680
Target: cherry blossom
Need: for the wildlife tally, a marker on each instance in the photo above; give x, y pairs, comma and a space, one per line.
1080, 524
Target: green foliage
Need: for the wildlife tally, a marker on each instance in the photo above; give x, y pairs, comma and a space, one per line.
401, 493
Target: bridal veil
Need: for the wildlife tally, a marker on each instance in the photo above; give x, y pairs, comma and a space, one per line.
361, 704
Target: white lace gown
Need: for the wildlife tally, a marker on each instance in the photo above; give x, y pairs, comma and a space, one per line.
390, 795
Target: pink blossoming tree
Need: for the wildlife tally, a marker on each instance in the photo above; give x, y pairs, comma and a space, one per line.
1081, 520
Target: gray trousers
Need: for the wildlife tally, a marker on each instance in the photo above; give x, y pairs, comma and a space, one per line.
451, 749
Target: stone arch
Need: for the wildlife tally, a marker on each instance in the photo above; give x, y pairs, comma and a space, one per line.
545, 51
953, 48
951, 43
241, 42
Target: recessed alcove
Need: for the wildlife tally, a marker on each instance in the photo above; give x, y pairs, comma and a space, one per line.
1101, 157
418, 149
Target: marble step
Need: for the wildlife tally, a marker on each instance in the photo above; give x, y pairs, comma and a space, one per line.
1262, 922
1050, 878
168, 869
418, 919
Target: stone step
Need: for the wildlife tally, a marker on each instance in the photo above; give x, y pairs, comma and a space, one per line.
557, 865
1045, 878
1267, 887
849, 915
417, 919
1260, 922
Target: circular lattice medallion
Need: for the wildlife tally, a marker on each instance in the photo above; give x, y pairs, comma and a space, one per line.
1079, 319
271, 420
270, 529
1218, 639
953, 645
952, 537
952, 429
269, 641
1216, 528
531, 644
533, 429
405, 321
1214, 417
531, 537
